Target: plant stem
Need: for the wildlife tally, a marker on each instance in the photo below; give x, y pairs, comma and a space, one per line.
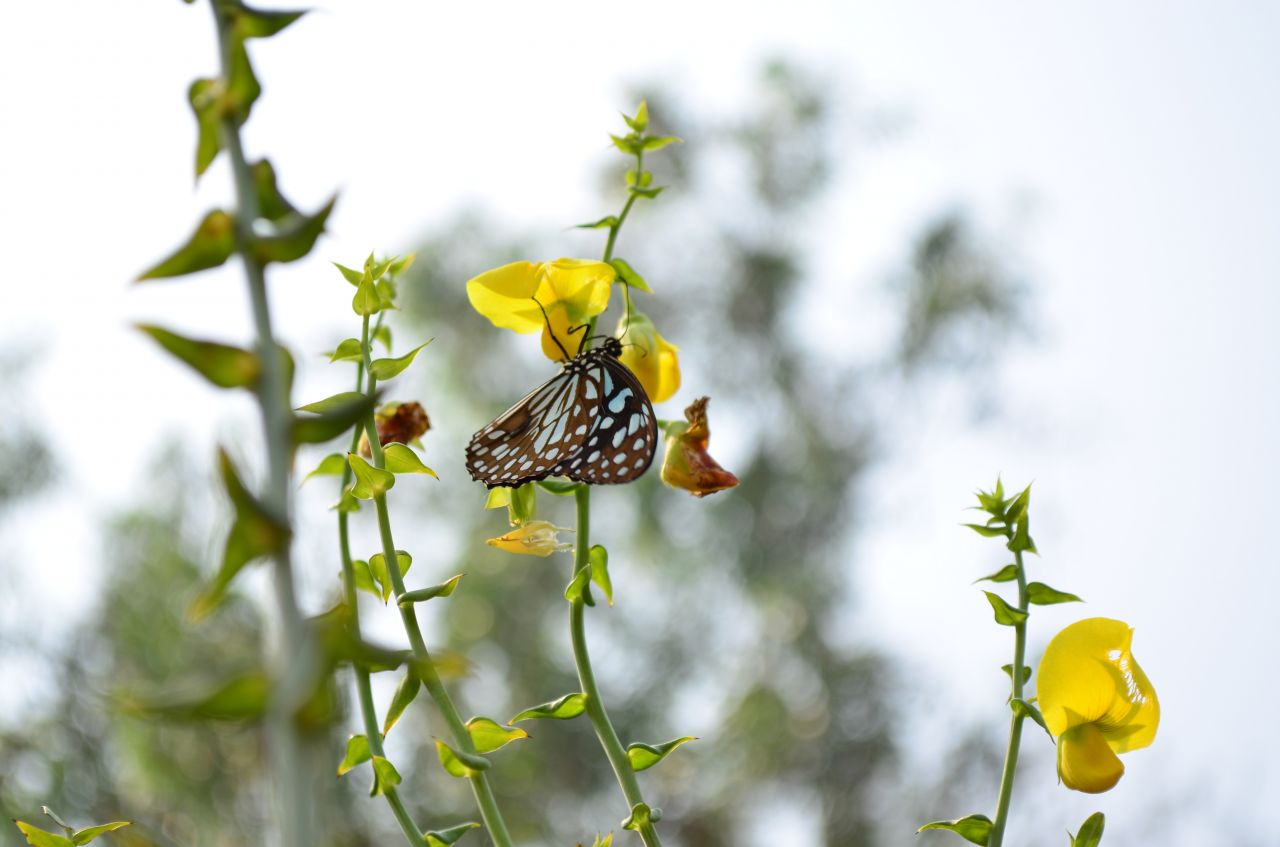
596, 712
1015, 724
425, 666
295, 656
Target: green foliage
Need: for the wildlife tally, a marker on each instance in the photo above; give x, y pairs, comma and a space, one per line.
1028, 710
445, 837
562, 708
213, 242
332, 465
384, 369
629, 275
332, 417
641, 817
357, 754
1090, 834
644, 756
420, 595
598, 559
401, 459
406, 691
488, 735
381, 575
1005, 614
74, 838
385, 776
973, 828
370, 481
1043, 595
460, 764
294, 237
223, 365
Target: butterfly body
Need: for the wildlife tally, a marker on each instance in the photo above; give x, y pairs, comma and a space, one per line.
592, 423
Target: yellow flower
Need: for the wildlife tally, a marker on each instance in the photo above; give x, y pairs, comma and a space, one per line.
1096, 701
649, 356
687, 464
572, 291
535, 538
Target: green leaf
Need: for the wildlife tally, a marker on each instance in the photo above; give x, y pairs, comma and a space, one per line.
558, 487
1090, 834
498, 498
401, 459
333, 416
84, 836
1027, 710
400, 264
378, 568
294, 238
39, 838
629, 144
205, 97
629, 275
348, 350
386, 291
563, 708
223, 365
644, 756
975, 829
366, 301
255, 23
272, 205
209, 246
351, 275
420, 595
987, 531
382, 334
640, 817
370, 481
642, 179
648, 192
576, 591
489, 735
1008, 670
347, 503
242, 89
1006, 615
332, 465
238, 698
1043, 595
1017, 510
607, 222
523, 505
657, 142
459, 764
641, 121
364, 577
598, 558
405, 692
1006, 574
384, 369
385, 776
357, 754
445, 837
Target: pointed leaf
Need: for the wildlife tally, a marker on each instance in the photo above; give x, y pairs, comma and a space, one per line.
385, 776
348, 350
256, 23
364, 578
39, 838
332, 465
975, 829
628, 275
223, 365
384, 369
1028, 710
1006, 615
644, 756
401, 459
382, 335
205, 97
648, 192
498, 498
331, 417
1090, 834
558, 487
294, 237
987, 531
1008, 670
1006, 574
640, 817
1043, 595
607, 222
488, 735
523, 505
641, 121
420, 595
210, 245
657, 142
84, 836
242, 89
577, 591
405, 692
357, 754
563, 708
629, 144
445, 837
272, 205
459, 764
598, 557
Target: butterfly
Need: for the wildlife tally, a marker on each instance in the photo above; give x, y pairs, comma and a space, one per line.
592, 423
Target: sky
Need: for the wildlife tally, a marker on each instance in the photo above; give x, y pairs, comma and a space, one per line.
1125, 151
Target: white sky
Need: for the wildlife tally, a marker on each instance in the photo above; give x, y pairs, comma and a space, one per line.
1146, 132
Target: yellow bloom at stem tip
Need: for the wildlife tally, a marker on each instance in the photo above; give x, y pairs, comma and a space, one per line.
572, 291
650, 357
1096, 702
535, 538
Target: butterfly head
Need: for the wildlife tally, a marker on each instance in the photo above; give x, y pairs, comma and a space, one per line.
612, 346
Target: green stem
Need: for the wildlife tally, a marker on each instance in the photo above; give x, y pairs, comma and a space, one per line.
596, 712
295, 656
424, 664
1015, 724
626, 210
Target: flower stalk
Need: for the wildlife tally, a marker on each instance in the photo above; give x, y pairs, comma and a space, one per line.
1015, 723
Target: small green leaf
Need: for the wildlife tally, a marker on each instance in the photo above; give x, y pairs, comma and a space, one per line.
445, 837
84, 836
347, 503
1090, 834
1008, 670
209, 246
1027, 710
348, 350
405, 692
385, 776
243, 88
386, 291
975, 829
272, 205
644, 756
648, 192
400, 264
382, 335
334, 402
255, 23
402, 459
642, 179
238, 698
1006, 574
378, 568
366, 301
333, 416
641, 121
489, 735
598, 557
1006, 615
1017, 510
576, 591
357, 754
558, 487
364, 577
563, 708
523, 505
639, 818
332, 465
205, 97
351, 275
384, 369
628, 275
657, 142
987, 531
39, 838
223, 365
629, 144
498, 498
459, 764
370, 481
607, 222
420, 595
294, 238
1043, 595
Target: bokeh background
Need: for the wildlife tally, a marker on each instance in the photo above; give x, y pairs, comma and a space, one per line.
906, 248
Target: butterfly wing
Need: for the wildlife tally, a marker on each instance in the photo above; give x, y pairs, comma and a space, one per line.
620, 444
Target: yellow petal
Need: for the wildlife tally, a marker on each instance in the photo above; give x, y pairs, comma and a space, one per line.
1089, 676
505, 296
558, 322
580, 285
535, 538
650, 357
1086, 761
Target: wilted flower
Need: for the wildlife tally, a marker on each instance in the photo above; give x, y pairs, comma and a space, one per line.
535, 538
572, 291
1096, 701
649, 356
687, 464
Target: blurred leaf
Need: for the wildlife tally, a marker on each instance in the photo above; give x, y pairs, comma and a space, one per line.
629, 275
641, 179
378, 568
366, 302
629, 144
1027, 710
370, 481
205, 96
349, 274
577, 590
607, 222
1006, 615
364, 577
648, 192
382, 334
987, 531
563, 708
243, 89
385, 776
384, 369
357, 754
1090, 834
239, 698
271, 203
348, 350
1017, 510
386, 291
347, 503
402, 459
1006, 574
209, 246
975, 829
332, 465
400, 264
40, 838
459, 764
334, 402
598, 558
1008, 670
657, 142
223, 365
405, 692
488, 735
333, 416
639, 818
420, 595
84, 836
294, 238
256, 23
641, 121
643, 756
1043, 595
558, 487
445, 837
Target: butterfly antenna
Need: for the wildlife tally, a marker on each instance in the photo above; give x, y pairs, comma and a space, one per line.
551, 331
581, 328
